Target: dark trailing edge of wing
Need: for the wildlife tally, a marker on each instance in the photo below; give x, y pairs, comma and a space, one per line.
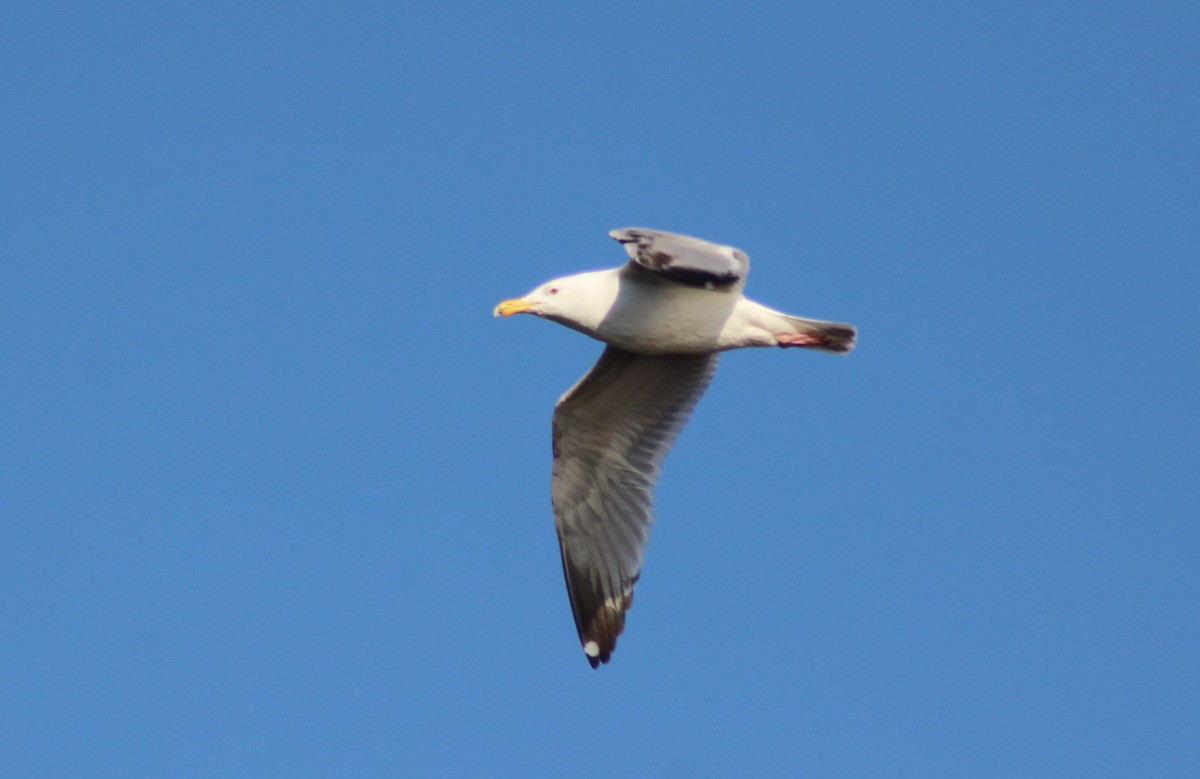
679, 258
692, 277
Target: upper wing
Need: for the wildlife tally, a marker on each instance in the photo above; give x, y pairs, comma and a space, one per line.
612, 431
684, 259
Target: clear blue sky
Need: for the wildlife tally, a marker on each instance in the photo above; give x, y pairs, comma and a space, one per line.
274, 483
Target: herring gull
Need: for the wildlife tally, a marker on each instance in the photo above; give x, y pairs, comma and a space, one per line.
665, 317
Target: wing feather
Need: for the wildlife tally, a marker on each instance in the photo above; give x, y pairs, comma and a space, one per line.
611, 433
684, 259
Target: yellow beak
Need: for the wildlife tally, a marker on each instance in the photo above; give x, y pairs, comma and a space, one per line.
514, 306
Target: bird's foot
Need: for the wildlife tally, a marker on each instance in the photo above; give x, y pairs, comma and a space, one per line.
801, 339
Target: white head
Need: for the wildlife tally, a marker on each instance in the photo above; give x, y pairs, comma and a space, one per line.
580, 301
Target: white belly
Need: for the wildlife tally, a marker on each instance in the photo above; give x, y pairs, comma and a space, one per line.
683, 320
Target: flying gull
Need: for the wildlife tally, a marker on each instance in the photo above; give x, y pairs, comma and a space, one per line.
665, 316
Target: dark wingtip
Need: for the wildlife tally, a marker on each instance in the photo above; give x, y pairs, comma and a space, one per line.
599, 652
596, 662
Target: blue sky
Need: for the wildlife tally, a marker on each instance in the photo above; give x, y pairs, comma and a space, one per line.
274, 483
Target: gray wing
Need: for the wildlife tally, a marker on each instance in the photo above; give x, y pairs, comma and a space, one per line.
611, 433
683, 259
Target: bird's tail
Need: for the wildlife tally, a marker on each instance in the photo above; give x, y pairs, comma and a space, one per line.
837, 337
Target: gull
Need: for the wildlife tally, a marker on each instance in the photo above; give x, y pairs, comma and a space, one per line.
665, 317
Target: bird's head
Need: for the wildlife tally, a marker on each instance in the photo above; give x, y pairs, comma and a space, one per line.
576, 301
542, 301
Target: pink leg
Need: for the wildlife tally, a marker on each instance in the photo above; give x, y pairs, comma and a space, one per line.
800, 339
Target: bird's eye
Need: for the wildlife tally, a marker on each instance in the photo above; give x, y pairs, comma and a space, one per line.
552, 291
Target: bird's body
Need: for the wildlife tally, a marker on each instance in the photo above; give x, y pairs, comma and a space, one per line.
665, 316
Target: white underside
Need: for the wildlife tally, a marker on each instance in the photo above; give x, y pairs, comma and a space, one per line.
652, 319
